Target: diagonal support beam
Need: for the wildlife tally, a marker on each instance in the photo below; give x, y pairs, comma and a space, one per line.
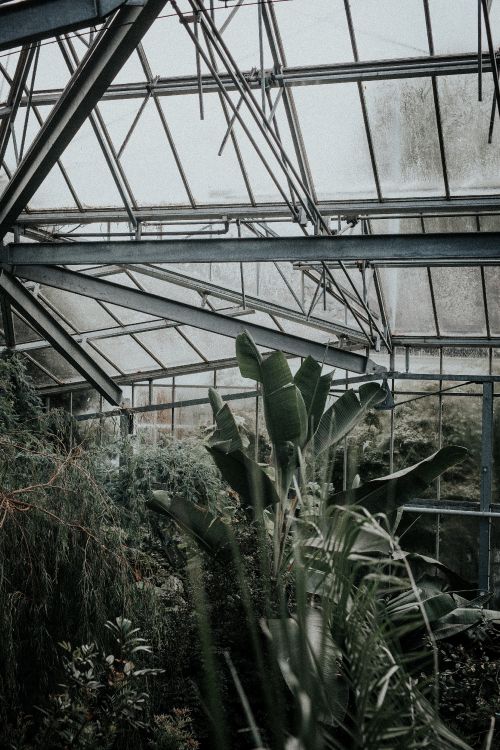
42, 321
38, 19
91, 79
8, 322
206, 320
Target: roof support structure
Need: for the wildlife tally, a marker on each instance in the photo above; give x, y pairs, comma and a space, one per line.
464, 247
91, 79
416, 206
135, 299
289, 76
42, 321
38, 19
254, 303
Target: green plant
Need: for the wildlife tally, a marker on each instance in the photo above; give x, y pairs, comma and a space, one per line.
103, 701
174, 731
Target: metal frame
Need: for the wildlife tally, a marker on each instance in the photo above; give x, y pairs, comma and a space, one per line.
329, 259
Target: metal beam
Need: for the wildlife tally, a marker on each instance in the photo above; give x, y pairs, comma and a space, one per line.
416, 206
98, 68
8, 322
144, 376
37, 19
486, 488
253, 303
15, 93
289, 76
43, 322
425, 342
206, 320
477, 247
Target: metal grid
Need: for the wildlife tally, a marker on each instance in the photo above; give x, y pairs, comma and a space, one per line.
256, 110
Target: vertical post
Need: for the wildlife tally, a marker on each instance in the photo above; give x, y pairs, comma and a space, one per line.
440, 445
256, 453
392, 365
173, 407
486, 485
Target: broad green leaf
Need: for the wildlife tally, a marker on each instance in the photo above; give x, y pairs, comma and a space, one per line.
249, 357
202, 525
314, 388
463, 618
285, 419
386, 494
246, 477
227, 437
308, 656
340, 418
216, 401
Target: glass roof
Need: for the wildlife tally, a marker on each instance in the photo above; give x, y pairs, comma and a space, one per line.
171, 152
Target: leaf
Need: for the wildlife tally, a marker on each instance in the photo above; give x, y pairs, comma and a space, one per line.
309, 656
340, 418
227, 436
463, 618
245, 477
216, 401
387, 493
249, 357
202, 525
286, 418
314, 389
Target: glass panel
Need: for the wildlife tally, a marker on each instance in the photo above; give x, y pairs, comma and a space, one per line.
408, 300
126, 353
473, 163
459, 300
454, 25
384, 29
405, 139
337, 149
314, 33
169, 347
462, 425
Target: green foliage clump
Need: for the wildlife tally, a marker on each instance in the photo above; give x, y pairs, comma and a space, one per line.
103, 701
468, 682
181, 467
63, 564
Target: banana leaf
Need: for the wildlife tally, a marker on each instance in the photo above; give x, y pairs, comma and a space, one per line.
286, 416
249, 357
227, 437
386, 494
314, 388
204, 527
246, 477
340, 418
464, 618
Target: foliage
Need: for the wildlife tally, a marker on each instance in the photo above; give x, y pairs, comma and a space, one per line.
103, 701
468, 682
177, 466
174, 731
64, 566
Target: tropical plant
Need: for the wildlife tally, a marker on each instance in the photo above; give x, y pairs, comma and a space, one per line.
103, 701
356, 600
302, 433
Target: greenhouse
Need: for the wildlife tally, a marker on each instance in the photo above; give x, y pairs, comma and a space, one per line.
249, 374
